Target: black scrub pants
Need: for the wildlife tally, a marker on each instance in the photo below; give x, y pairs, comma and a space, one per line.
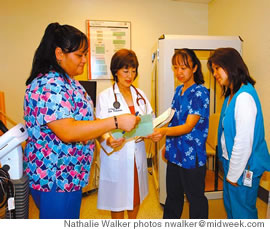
180, 181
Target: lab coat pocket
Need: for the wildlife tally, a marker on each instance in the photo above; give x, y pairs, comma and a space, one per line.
109, 169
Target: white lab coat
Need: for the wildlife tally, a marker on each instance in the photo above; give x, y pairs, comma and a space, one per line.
116, 182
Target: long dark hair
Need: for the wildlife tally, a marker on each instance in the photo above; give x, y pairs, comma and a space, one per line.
185, 53
232, 63
123, 58
67, 37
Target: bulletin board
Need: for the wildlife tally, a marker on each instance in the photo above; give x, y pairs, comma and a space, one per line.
105, 38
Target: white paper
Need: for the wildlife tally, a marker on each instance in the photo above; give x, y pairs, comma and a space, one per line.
164, 118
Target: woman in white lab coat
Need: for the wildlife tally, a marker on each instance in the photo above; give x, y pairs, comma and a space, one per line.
123, 180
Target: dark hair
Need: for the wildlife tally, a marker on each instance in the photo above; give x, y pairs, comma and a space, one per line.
185, 53
67, 37
123, 58
232, 63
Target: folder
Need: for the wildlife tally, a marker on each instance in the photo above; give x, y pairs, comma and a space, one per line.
164, 118
143, 129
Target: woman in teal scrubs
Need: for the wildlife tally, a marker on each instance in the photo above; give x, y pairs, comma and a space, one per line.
242, 150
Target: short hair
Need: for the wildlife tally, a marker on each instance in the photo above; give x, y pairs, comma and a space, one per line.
67, 37
232, 63
123, 58
185, 53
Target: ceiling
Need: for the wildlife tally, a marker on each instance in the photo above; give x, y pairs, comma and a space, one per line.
194, 1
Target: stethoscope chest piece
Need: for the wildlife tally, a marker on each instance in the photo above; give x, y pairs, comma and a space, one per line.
116, 104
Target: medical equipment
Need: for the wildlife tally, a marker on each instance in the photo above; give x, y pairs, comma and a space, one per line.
11, 160
117, 105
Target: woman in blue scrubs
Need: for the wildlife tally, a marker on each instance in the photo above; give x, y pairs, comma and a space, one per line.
185, 139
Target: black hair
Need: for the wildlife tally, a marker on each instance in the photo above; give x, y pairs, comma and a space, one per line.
185, 53
232, 63
66, 37
123, 58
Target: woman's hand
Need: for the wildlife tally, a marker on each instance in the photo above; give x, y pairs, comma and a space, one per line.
158, 134
127, 122
71, 130
114, 143
232, 183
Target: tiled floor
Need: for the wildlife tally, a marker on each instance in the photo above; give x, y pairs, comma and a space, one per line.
150, 208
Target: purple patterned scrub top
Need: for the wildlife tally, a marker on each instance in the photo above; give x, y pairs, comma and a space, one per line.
47, 159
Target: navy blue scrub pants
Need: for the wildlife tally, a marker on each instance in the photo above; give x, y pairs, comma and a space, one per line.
180, 181
57, 205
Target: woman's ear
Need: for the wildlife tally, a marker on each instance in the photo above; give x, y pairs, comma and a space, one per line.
195, 68
58, 54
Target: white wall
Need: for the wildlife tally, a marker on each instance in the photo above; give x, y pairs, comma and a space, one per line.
23, 22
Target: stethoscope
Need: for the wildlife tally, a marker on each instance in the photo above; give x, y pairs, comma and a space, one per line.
117, 105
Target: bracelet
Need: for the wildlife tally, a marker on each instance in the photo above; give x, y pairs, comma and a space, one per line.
115, 122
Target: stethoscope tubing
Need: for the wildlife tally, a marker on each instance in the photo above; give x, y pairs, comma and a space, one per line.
117, 105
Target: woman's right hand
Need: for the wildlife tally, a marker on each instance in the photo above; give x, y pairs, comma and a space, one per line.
114, 143
127, 122
157, 135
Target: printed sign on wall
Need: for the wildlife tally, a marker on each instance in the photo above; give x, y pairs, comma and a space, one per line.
105, 38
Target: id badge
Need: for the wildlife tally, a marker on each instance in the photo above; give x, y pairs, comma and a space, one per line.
247, 178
